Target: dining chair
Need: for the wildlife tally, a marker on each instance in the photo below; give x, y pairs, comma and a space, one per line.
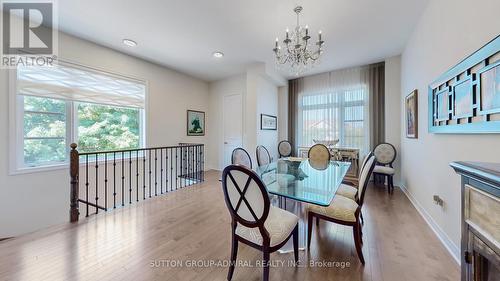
285, 149
254, 221
241, 157
344, 211
350, 191
318, 153
385, 153
263, 156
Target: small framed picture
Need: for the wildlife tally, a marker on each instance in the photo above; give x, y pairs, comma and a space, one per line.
268, 122
411, 107
195, 123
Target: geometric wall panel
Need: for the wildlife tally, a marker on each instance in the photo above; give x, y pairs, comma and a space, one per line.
466, 99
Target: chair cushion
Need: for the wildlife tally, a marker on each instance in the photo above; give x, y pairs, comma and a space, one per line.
341, 208
279, 224
347, 191
383, 170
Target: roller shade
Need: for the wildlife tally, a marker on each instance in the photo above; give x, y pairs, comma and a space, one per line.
79, 84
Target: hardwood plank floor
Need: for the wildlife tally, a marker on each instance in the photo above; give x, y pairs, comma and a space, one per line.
161, 238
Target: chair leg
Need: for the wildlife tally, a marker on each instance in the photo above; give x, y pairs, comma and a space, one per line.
357, 242
362, 219
296, 243
361, 234
265, 273
234, 253
391, 183
309, 228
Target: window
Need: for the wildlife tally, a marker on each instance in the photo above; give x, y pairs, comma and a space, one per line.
334, 114
63, 104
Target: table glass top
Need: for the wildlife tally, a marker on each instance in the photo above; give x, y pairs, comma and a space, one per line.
303, 180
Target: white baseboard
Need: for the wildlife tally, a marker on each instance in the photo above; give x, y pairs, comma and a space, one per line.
453, 249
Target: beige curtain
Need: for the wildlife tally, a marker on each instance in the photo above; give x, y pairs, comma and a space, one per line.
375, 77
294, 88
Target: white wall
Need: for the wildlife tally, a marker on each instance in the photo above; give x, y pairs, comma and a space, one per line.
217, 91
32, 201
259, 87
393, 109
448, 31
267, 103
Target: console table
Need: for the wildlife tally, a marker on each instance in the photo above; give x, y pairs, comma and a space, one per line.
345, 154
480, 246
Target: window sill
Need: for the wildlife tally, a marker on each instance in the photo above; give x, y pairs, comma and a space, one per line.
34, 170
65, 165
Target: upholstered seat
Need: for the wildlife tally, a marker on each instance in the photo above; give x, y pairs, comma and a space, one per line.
347, 191
341, 208
279, 224
383, 170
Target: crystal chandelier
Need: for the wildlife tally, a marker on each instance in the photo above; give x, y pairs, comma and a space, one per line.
297, 51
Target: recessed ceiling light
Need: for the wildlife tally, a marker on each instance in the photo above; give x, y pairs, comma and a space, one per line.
129, 42
218, 55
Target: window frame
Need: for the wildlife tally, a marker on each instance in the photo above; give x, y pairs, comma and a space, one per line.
16, 122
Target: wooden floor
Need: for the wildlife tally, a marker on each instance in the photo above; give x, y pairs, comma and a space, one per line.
162, 238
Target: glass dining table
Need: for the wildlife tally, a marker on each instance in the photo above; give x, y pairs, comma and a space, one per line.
301, 181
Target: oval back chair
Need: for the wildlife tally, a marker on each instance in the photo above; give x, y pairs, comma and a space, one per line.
241, 157
285, 149
319, 153
253, 220
263, 156
385, 154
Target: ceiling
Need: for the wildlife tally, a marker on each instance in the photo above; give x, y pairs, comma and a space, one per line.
183, 34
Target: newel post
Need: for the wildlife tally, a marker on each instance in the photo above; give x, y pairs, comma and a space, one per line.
74, 167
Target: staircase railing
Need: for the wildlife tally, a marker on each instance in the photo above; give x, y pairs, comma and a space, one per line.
105, 180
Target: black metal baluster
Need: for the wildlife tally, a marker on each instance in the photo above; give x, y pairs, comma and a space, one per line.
105, 181
130, 177
123, 178
203, 163
192, 163
181, 179
171, 168
137, 175
96, 182
166, 169
144, 175
114, 180
197, 151
149, 173
156, 172
87, 184
161, 170
176, 170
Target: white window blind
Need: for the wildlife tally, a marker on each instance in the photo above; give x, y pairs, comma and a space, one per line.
75, 84
332, 106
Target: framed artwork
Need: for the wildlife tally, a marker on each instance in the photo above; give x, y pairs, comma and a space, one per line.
411, 112
195, 123
268, 122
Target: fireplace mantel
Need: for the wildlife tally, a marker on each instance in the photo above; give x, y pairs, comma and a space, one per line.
480, 245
